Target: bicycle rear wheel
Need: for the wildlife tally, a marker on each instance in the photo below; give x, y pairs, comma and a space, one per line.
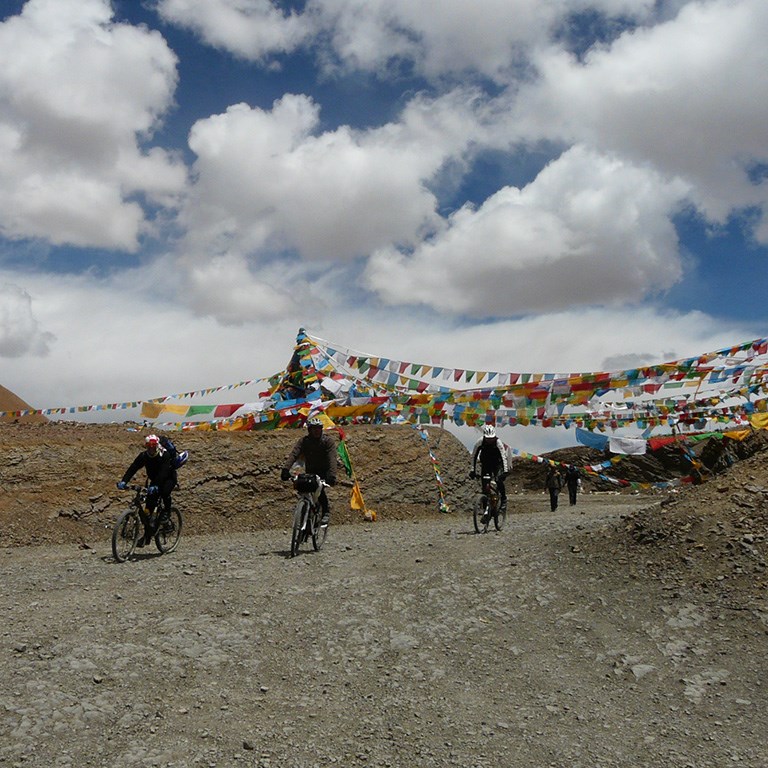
169, 532
319, 532
125, 534
480, 511
298, 533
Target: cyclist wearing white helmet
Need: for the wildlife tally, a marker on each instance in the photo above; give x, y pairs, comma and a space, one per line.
161, 473
495, 459
318, 452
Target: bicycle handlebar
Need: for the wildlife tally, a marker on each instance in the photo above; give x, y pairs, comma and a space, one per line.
135, 487
320, 480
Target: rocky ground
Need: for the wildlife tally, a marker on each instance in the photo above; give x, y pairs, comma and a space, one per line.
628, 630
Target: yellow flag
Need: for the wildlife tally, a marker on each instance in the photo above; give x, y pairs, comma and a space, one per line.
151, 410
356, 501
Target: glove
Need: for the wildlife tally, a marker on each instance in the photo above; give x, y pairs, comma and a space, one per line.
122, 485
285, 474
153, 490
472, 474
331, 481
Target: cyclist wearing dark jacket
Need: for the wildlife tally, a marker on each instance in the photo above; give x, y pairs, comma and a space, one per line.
161, 473
318, 451
495, 460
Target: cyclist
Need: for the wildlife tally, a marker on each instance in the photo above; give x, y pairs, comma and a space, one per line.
161, 472
318, 451
495, 459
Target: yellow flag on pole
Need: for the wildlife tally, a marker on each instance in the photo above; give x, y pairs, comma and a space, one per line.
356, 501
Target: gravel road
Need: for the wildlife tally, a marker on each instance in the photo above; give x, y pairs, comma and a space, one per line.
399, 644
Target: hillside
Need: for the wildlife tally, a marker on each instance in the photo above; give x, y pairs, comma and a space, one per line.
57, 480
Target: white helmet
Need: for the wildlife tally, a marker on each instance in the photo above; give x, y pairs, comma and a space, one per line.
489, 431
314, 422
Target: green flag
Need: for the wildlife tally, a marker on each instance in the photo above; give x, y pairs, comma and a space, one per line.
344, 456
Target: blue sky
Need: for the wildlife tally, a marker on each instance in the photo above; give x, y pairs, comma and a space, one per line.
515, 185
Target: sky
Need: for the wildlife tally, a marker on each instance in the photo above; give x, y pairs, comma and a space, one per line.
508, 185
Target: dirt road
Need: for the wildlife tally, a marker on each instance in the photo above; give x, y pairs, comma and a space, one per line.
400, 644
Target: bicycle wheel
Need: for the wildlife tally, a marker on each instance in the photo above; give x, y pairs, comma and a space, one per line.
125, 534
299, 534
319, 532
499, 516
480, 511
169, 532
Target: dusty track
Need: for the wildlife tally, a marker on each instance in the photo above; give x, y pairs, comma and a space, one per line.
401, 643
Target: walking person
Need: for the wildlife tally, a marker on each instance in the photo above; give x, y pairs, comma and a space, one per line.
553, 484
573, 482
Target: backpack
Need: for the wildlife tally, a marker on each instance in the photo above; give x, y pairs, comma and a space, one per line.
179, 458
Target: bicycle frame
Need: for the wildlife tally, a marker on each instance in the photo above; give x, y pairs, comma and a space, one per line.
487, 505
129, 527
306, 518
491, 491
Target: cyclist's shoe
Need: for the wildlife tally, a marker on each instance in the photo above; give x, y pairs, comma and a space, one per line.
143, 541
325, 519
484, 518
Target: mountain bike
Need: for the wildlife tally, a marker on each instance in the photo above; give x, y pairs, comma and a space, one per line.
129, 528
308, 513
488, 506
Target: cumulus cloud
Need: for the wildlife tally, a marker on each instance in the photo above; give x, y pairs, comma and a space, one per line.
78, 94
224, 287
689, 96
587, 230
20, 332
252, 29
382, 35
269, 180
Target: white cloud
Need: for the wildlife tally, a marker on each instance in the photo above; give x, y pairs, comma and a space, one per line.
689, 96
252, 29
256, 170
224, 287
588, 230
20, 332
489, 39
77, 94
268, 180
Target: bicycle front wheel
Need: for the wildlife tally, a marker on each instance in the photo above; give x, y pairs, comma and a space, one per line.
125, 534
479, 513
499, 516
169, 532
298, 533
319, 532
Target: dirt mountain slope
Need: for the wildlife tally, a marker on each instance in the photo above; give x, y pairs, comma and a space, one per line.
11, 402
57, 480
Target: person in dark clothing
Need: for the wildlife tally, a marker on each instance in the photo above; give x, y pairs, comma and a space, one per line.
553, 484
318, 452
161, 474
495, 460
572, 481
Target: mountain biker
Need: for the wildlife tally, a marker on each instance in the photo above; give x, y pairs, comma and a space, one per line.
318, 452
159, 465
495, 459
